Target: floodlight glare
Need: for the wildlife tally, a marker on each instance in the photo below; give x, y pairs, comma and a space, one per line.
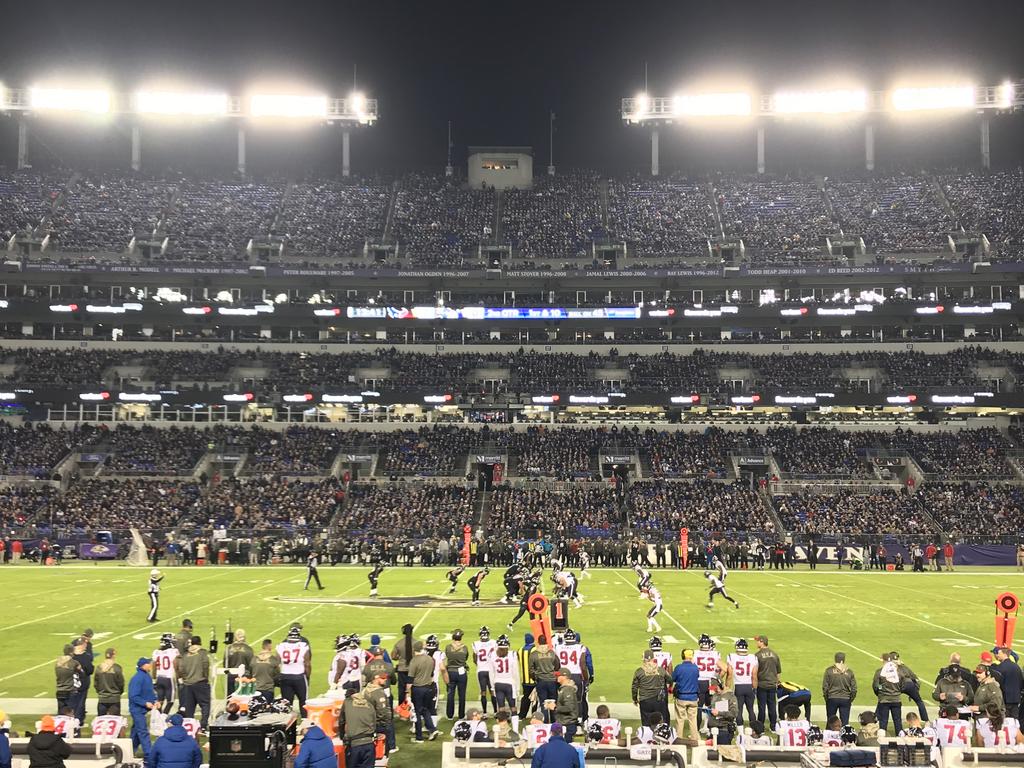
288, 105
357, 102
642, 104
178, 103
821, 102
711, 104
944, 97
69, 100
1005, 95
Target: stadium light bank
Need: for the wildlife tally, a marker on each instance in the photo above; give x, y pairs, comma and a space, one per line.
163, 106
657, 111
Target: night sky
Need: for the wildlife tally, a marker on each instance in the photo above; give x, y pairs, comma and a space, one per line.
497, 69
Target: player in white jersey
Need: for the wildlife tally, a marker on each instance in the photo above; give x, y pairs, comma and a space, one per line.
572, 655
537, 734
605, 729
995, 730
584, 564
793, 730
505, 675
567, 587
831, 735
643, 578
163, 672
652, 594
950, 730
191, 726
337, 670
708, 661
483, 651
719, 568
295, 666
108, 727
662, 657
66, 725
655, 733
744, 674
717, 588
349, 672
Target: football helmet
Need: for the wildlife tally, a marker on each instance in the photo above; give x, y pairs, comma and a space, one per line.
741, 644
654, 644
155, 572
663, 733
705, 643
814, 735
258, 704
915, 732
485, 634
848, 735
281, 706
432, 643
462, 731
355, 641
294, 633
504, 642
571, 637
594, 732
341, 642
166, 641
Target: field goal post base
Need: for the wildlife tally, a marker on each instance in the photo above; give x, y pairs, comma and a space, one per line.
138, 554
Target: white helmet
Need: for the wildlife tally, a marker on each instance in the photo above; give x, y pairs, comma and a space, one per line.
155, 572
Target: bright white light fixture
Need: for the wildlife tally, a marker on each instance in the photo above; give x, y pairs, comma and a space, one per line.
1005, 95
69, 100
711, 104
180, 103
821, 102
943, 97
287, 105
641, 104
357, 102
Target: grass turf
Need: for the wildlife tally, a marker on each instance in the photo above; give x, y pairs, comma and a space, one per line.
806, 615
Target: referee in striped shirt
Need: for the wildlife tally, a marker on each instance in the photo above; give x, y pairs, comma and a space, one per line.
525, 680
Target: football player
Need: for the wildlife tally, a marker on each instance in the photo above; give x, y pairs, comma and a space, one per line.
793, 728
512, 579
572, 655
584, 564
155, 577
950, 730
295, 665
708, 661
524, 599
832, 735
652, 594
374, 575
110, 726
718, 566
605, 729
483, 651
475, 582
163, 672
744, 673
505, 676
662, 657
337, 670
453, 577
643, 578
717, 588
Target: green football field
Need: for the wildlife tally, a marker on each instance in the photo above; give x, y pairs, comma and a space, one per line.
806, 615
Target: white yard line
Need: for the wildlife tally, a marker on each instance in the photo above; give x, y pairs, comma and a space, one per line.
750, 598
144, 627
894, 613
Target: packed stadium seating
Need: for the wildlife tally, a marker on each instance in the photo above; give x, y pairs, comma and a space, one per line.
705, 505
843, 512
437, 222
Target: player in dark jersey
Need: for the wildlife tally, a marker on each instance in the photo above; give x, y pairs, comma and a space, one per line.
453, 577
372, 577
476, 581
511, 579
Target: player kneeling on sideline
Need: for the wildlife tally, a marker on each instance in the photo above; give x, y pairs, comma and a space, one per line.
605, 729
471, 728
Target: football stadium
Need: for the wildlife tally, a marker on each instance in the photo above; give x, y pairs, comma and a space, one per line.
393, 385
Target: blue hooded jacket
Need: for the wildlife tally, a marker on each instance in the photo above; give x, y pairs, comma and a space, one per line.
140, 689
316, 751
5, 749
175, 749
